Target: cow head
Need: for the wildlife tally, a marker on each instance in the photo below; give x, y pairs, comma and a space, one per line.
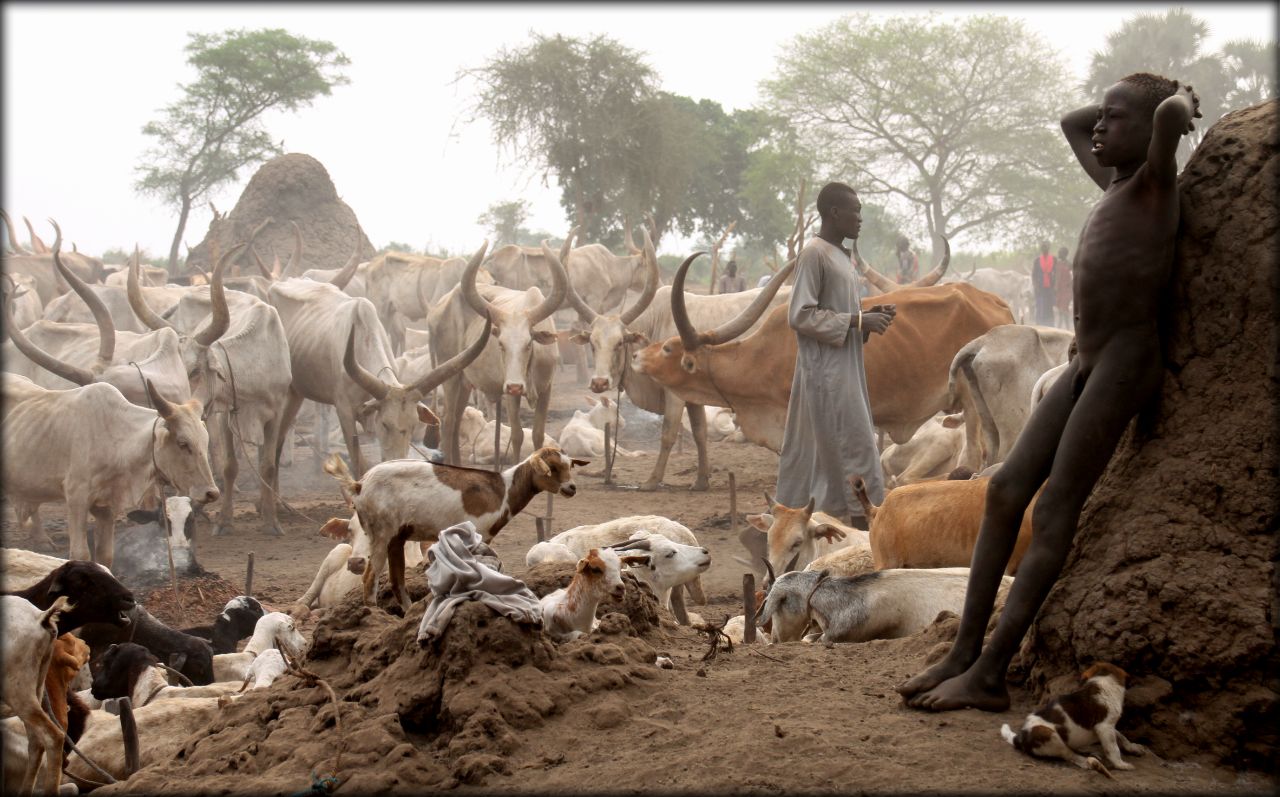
607, 334
790, 535
680, 362
180, 446
516, 327
182, 522
395, 409
553, 471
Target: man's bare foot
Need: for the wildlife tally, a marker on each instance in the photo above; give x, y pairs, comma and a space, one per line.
942, 671
967, 690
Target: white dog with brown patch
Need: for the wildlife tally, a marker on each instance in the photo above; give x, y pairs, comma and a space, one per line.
1069, 722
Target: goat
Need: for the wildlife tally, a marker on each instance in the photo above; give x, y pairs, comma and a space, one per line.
548, 551
570, 611
404, 500
193, 655
664, 565
583, 435
581, 539
26, 655
275, 629
132, 671
933, 524
235, 622
341, 569
476, 435
95, 594
885, 604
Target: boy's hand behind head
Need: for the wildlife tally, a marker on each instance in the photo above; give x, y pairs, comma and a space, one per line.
1195, 106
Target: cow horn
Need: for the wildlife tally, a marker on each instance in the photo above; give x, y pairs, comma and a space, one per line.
627, 239
878, 280
808, 508
42, 358
220, 316
567, 247
158, 401
295, 259
348, 271
559, 288
370, 383
144, 313
679, 313
277, 273
40, 247
768, 500
650, 283
261, 266
933, 276
743, 321
468, 284
454, 365
13, 235
106, 329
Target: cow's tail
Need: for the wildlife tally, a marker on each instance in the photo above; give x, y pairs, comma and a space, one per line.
964, 392
860, 492
337, 468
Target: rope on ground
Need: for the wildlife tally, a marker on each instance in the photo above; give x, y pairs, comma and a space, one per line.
326, 784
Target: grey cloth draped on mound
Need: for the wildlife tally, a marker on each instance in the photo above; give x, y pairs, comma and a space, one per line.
455, 576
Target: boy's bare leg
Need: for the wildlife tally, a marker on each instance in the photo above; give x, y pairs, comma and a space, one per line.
1127, 373
1008, 494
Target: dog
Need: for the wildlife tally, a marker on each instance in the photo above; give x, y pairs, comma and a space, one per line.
1068, 722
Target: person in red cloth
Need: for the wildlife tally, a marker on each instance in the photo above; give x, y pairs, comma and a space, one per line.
1042, 284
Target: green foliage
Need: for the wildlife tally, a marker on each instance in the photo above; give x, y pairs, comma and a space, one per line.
574, 107
505, 220
777, 162
203, 139
956, 121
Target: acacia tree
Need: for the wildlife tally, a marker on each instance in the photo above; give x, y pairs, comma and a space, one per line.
506, 221
958, 121
203, 139
572, 106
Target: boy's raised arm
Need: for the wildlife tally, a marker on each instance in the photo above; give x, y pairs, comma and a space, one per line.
1077, 126
1173, 120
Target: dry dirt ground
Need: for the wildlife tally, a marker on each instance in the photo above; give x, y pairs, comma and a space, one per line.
792, 717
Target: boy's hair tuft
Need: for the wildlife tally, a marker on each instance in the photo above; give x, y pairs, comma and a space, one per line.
1152, 89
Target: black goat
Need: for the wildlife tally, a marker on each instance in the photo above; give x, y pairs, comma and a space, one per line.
98, 598
234, 623
189, 655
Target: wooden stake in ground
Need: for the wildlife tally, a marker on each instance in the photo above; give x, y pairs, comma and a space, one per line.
608, 459
749, 608
248, 576
733, 505
543, 524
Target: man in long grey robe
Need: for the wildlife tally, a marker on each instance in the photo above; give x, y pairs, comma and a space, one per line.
829, 434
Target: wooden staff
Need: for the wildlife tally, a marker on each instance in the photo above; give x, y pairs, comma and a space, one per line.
749, 607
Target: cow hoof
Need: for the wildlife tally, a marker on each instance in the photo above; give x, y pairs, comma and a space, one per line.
223, 530
700, 486
273, 530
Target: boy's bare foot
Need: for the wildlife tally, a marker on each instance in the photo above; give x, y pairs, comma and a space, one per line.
967, 690
942, 671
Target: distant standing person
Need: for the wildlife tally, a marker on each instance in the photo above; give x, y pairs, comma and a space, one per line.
829, 434
1062, 290
1042, 276
730, 281
908, 262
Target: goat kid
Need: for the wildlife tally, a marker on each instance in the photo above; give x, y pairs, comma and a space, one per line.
570, 611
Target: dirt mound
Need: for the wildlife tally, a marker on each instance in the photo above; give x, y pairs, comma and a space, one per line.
1173, 572
413, 716
293, 187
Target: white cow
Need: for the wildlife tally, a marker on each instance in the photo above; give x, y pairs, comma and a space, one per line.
476, 435
932, 452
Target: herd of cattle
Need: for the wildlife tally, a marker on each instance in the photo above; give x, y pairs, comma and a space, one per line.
118, 382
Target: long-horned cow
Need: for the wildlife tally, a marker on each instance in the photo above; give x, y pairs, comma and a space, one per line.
613, 339
519, 362
90, 447
339, 353
906, 367
600, 278
243, 377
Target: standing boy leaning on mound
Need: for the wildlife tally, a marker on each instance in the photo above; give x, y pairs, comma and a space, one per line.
1123, 263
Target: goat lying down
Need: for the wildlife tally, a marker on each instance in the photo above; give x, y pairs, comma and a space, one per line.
885, 604
570, 611
343, 567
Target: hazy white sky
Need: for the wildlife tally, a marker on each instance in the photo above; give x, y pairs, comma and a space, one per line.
81, 80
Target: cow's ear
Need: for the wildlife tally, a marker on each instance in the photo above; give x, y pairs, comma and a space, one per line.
337, 528
762, 521
636, 338
143, 516
953, 421
580, 463
828, 531
366, 409
427, 416
582, 337
544, 337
